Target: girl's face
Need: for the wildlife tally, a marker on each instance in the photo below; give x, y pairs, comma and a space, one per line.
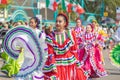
88, 28
94, 23
60, 23
78, 23
32, 23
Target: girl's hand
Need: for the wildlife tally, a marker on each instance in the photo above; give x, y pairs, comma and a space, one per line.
54, 70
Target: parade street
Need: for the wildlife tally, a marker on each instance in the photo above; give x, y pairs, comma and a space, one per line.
113, 72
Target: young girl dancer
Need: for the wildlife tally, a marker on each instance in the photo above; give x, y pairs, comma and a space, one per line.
91, 60
79, 29
62, 62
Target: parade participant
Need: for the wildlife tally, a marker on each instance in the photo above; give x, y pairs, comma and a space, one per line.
79, 29
25, 53
102, 35
34, 24
62, 62
91, 63
102, 40
95, 24
29, 42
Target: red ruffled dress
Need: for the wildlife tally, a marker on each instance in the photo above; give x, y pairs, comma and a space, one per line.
62, 62
92, 57
79, 35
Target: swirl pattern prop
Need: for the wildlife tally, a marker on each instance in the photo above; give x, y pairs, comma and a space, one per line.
115, 56
23, 37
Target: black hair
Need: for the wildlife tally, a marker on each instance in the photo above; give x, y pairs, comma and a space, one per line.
65, 18
36, 20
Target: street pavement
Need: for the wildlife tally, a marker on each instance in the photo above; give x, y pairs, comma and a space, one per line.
113, 72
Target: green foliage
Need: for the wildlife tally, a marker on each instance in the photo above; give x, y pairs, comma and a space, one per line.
110, 7
97, 7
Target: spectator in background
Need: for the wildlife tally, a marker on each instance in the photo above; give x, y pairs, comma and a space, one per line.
6, 26
48, 29
1, 25
20, 23
116, 36
10, 23
14, 24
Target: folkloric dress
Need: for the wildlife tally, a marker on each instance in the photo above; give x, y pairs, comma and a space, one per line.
62, 57
92, 59
79, 35
31, 57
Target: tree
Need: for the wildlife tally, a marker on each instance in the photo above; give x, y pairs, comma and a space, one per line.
100, 6
110, 7
96, 7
